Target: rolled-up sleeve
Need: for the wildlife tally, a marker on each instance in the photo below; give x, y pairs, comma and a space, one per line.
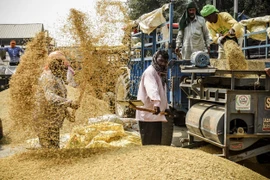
179, 38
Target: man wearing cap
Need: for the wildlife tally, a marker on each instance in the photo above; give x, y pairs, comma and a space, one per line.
193, 34
220, 24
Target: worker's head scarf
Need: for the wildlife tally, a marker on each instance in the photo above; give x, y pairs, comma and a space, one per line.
208, 9
57, 55
162, 70
184, 21
58, 64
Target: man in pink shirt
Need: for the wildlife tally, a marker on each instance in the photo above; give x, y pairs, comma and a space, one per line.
152, 92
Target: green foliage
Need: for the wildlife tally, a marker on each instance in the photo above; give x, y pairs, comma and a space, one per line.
252, 8
138, 7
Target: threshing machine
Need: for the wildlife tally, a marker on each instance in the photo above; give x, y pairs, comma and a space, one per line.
227, 111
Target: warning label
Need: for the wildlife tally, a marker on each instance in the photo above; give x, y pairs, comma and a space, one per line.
266, 124
242, 102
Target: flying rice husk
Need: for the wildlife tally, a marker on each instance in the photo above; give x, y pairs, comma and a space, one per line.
23, 82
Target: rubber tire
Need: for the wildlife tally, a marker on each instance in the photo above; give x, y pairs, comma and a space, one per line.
167, 132
122, 88
263, 158
180, 119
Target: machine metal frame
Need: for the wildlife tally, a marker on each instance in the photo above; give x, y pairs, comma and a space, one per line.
196, 91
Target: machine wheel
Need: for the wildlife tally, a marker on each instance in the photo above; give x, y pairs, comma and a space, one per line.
122, 93
263, 158
180, 118
167, 132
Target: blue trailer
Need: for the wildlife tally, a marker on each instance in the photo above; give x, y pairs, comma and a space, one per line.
205, 102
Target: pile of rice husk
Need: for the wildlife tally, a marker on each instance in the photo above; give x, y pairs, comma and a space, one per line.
250, 163
211, 149
235, 60
234, 56
221, 64
252, 64
142, 162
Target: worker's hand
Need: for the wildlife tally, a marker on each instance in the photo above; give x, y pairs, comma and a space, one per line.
168, 112
157, 110
267, 70
208, 50
177, 50
178, 53
232, 32
221, 40
74, 105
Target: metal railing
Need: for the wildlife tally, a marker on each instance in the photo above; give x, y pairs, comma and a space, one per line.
246, 47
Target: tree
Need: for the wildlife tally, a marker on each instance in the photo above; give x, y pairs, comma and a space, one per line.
138, 7
252, 8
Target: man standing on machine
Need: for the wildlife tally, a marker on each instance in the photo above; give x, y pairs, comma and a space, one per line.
193, 35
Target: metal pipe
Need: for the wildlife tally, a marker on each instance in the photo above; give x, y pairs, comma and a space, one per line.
235, 9
171, 29
215, 3
266, 43
207, 140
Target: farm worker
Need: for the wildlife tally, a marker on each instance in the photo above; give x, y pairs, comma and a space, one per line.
193, 34
51, 101
220, 24
13, 52
152, 92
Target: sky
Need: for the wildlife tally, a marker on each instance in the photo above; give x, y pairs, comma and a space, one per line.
49, 12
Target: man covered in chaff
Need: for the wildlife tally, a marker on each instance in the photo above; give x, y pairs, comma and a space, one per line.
51, 101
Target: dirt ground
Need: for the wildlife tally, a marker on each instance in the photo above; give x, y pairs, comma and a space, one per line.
179, 132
